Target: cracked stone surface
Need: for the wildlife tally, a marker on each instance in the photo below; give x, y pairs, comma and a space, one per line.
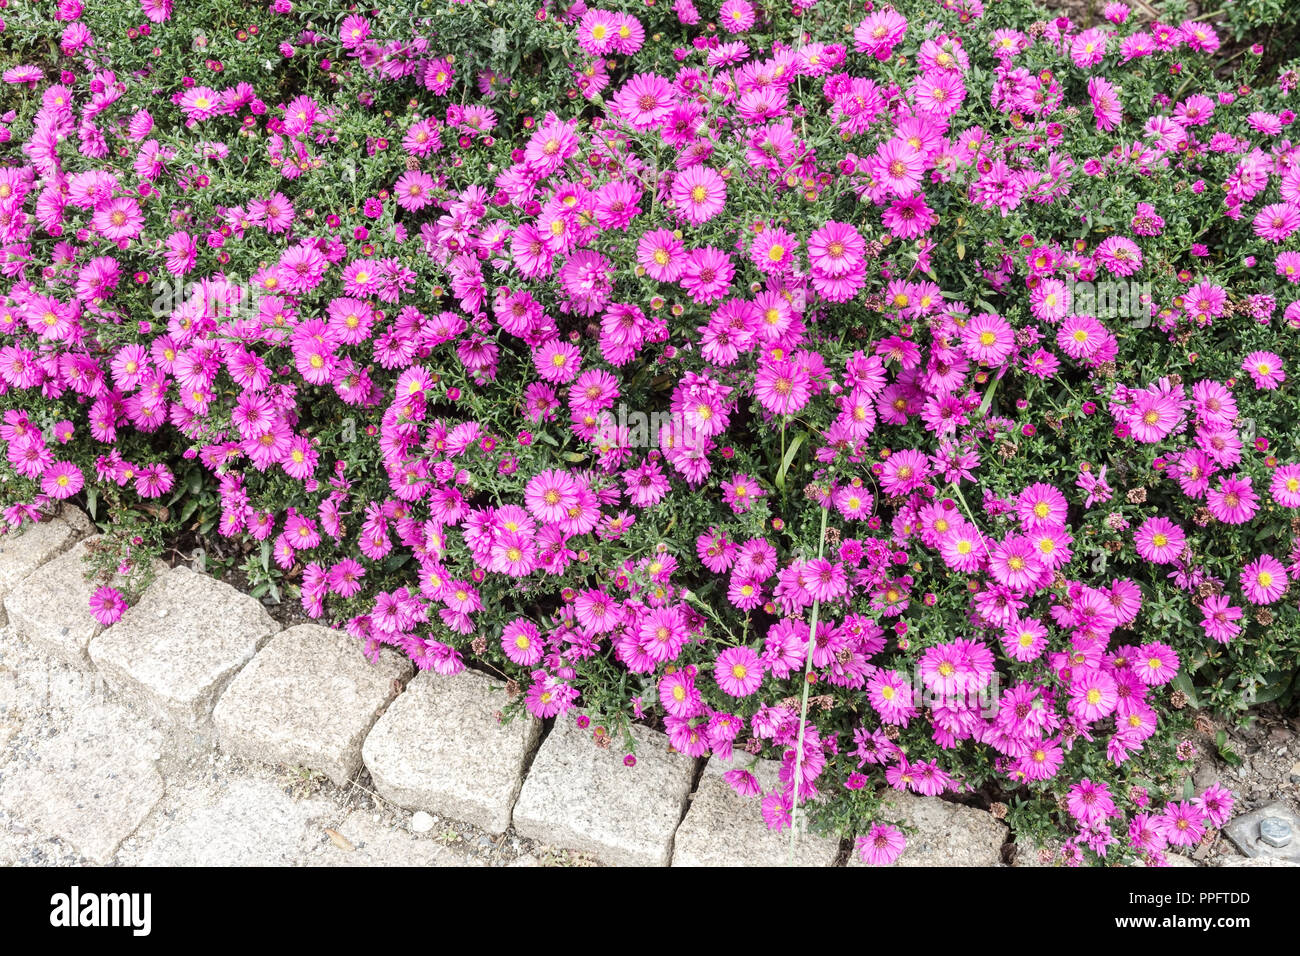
946, 834
26, 549
440, 747
723, 828
308, 698
581, 796
90, 785
181, 645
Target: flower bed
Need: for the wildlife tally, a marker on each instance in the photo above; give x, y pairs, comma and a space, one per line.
905, 393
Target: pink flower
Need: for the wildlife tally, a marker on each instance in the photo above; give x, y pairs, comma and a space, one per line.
1233, 500
1265, 368
1155, 664
1219, 619
1159, 540
1092, 695
107, 605
783, 387
413, 189
699, 193
836, 249
736, 16
1090, 803
1182, 823
738, 671
62, 479
1264, 580
988, 339
881, 846
890, 694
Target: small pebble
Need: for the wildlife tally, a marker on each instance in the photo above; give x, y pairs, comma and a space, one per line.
421, 822
1295, 773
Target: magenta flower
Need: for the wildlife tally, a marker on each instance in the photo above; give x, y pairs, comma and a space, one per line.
738, 671
107, 605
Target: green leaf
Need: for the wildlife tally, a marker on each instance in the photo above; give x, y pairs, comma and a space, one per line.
92, 503
789, 457
266, 556
1278, 683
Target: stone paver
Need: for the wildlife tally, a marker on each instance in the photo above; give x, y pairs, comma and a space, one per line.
25, 550
251, 823
947, 834
723, 828
52, 609
90, 785
580, 796
440, 747
179, 647
308, 699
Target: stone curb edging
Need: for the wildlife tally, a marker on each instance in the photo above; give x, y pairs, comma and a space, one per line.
211, 662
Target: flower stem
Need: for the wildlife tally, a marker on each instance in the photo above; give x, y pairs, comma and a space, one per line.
803, 707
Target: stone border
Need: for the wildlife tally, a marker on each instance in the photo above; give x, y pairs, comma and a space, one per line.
210, 662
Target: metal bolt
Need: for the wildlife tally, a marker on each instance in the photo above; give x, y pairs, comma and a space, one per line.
1275, 831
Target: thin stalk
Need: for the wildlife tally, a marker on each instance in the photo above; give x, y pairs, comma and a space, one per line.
803, 707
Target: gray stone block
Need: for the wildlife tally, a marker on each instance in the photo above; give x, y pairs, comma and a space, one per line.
181, 645
90, 788
440, 747
723, 828
308, 699
26, 549
1244, 832
581, 797
51, 610
945, 834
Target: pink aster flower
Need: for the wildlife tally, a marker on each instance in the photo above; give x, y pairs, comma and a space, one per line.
741, 492
1219, 618
1159, 540
1233, 500
736, 16
881, 846
1277, 221
988, 339
738, 671
1155, 664
1041, 506
62, 479
890, 694
836, 249
661, 254
700, 193
1265, 368
1285, 486
783, 387
1264, 580
1090, 803
1215, 803
706, 274
107, 605
1092, 695
1182, 823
